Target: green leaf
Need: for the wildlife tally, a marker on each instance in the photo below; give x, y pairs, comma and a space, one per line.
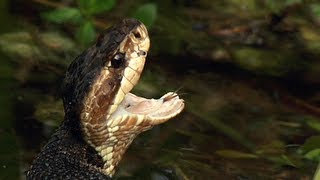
63, 15
147, 14
235, 154
313, 155
317, 173
311, 143
315, 124
274, 147
288, 161
86, 33
96, 6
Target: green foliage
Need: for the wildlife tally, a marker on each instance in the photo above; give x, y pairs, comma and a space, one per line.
229, 153
264, 61
96, 6
147, 13
285, 161
83, 16
314, 124
310, 144
317, 173
86, 32
274, 152
273, 148
311, 148
313, 155
63, 15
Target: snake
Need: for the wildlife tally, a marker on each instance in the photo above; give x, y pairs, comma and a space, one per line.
102, 116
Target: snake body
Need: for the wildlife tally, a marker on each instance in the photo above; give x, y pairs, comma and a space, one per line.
102, 117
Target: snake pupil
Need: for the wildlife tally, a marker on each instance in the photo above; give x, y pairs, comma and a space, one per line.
118, 60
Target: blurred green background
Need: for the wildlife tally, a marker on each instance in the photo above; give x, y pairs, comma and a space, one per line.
248, 70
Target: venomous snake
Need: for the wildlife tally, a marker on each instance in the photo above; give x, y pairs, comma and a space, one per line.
102, 117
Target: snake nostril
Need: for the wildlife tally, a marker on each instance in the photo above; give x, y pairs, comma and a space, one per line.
142, 53
137, 35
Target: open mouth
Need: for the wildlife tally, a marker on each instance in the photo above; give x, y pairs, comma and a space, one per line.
145, 111
128, 109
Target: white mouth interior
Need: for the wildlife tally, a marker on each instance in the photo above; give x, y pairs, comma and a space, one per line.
163, 108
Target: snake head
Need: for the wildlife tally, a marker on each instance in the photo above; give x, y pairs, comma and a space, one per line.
97, 80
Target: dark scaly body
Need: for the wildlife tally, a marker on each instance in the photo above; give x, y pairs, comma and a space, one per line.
67, 156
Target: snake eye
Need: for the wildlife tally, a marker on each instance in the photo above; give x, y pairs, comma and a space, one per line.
118, 60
